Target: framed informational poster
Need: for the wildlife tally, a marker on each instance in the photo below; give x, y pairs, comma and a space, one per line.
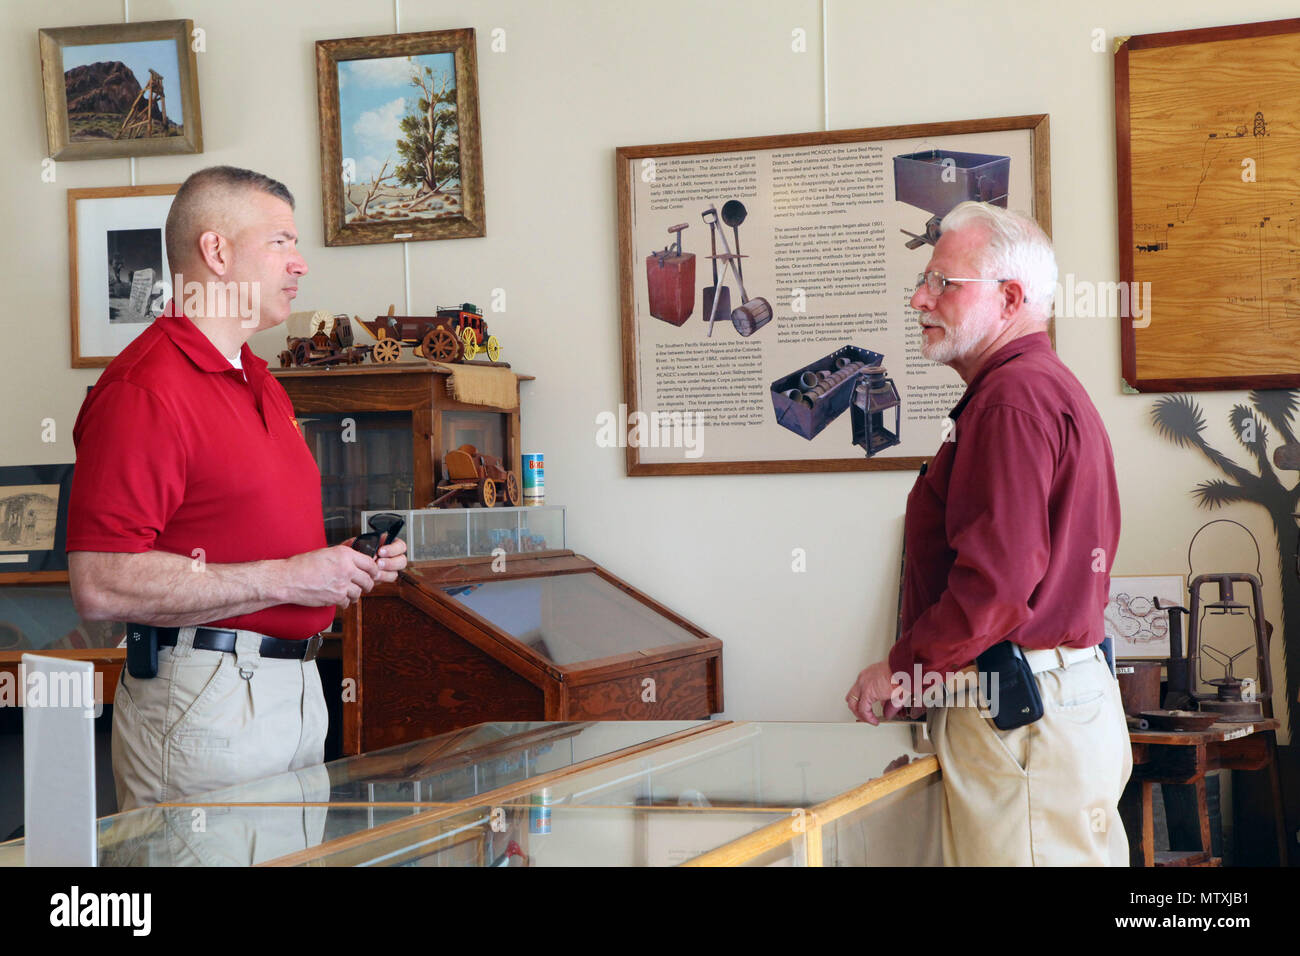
1138, 628
765, 288
1208, 141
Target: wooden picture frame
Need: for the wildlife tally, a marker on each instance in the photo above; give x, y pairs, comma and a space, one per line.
450, 207
1206, 173
96, 255
70, 137
34, 522
1013, 151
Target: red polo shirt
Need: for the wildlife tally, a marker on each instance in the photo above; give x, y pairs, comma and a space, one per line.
177, 451
1011, 530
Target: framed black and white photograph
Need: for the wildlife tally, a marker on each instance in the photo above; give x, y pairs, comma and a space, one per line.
121, 89
119, 280
34, 518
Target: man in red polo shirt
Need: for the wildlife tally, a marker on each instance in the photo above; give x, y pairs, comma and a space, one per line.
1010, 535
195, 509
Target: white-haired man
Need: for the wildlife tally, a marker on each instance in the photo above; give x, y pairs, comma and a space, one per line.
1010, 534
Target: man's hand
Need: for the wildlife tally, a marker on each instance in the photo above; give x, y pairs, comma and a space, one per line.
392, 558
873, 684
337, 575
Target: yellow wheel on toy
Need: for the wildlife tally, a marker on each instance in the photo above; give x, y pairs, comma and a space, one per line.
471, 343
493, 348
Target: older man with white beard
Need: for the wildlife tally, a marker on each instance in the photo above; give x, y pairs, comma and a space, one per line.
1010, 534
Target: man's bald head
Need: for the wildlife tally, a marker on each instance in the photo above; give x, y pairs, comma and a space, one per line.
212, 200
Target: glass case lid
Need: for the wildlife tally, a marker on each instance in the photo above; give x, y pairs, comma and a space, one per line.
570, 618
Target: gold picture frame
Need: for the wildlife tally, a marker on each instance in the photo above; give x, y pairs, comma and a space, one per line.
432, 154
93, 130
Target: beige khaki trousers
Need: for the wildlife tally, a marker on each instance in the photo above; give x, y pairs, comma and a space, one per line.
1046, 794
212, 719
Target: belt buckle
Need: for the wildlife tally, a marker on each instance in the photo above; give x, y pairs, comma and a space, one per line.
313, 648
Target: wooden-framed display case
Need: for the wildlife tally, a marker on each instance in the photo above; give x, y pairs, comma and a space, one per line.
379, 434
548, 637
37, 616
603, 793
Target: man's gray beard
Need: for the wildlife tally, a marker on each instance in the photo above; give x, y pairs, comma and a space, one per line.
954, 344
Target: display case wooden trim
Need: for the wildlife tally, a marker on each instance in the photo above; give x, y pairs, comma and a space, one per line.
775, 835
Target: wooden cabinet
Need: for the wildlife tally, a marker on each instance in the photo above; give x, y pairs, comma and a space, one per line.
379, 435
552, 637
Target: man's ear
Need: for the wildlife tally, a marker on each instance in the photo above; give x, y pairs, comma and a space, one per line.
1013, 297
215, 250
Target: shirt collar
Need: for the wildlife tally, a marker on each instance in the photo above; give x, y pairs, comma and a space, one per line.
1034, 342
198, 348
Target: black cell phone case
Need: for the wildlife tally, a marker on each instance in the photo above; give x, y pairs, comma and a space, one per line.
141, 651
1018, 700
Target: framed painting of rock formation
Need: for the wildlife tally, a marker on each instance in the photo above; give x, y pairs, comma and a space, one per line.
121, 89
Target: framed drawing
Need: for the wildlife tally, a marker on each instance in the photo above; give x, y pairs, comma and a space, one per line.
1136, 626
808, 357
33, 519
121, 89
399, 138
1208, 146
119, 278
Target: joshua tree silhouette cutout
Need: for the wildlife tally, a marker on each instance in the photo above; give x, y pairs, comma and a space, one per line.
1179, 419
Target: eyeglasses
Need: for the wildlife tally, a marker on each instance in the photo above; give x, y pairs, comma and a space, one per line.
937, 283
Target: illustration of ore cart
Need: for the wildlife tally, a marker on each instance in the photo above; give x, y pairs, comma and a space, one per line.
810, 398
936, 180
453, 334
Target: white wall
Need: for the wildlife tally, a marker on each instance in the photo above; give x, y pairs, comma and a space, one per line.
579, 78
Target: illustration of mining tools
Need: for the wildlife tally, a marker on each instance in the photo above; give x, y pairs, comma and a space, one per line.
733, 214
670, 275
752, 314
720, 291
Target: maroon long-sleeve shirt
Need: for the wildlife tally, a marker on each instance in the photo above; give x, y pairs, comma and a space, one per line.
1011, 531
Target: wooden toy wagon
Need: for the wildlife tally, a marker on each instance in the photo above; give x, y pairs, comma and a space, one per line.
330, 343
453, 334
476, 477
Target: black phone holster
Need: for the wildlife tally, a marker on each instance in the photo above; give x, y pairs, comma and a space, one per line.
141, 650
1012, 691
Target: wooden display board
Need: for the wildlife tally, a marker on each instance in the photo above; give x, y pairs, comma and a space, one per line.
1209, 199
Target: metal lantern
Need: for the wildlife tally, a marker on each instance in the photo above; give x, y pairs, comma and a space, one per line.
873, 397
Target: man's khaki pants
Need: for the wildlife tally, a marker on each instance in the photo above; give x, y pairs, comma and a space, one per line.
212, 719
1046, 794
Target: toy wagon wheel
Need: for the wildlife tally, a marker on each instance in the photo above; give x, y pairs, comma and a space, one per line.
386, 350
512, 485
286, 359
301, 352
493, 348
439, 345
487, 492
468, 337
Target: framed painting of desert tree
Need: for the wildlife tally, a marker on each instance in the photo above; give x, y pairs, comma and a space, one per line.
400, 149
121, 89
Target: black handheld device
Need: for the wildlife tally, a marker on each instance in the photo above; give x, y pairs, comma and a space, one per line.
383, 529
141, 651
1013, 693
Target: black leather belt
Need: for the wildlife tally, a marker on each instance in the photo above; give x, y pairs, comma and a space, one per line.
214, 639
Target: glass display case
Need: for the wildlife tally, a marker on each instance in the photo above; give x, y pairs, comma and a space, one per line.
531, 637
437, 534
567, 794
37, 616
